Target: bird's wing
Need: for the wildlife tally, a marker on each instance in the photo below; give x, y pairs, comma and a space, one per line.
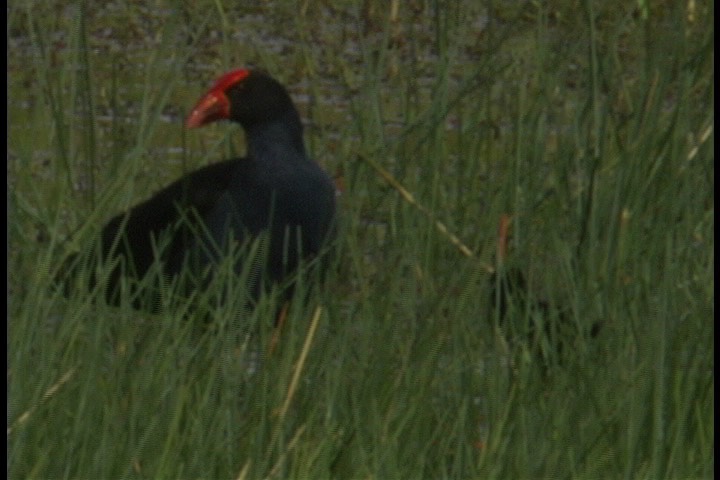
184, 201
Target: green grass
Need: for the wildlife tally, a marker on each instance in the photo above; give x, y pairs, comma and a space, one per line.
591, 126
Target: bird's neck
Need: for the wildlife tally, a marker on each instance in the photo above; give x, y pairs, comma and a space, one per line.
281, 138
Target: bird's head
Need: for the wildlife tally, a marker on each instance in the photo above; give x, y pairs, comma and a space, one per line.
249, 97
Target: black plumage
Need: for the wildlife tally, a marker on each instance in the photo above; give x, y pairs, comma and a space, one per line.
196, 220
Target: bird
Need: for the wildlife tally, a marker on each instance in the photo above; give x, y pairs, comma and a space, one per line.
276, 190
546, 327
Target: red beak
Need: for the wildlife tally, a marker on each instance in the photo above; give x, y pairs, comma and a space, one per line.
213, 106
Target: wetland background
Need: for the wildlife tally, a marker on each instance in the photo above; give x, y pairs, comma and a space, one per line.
590, 124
